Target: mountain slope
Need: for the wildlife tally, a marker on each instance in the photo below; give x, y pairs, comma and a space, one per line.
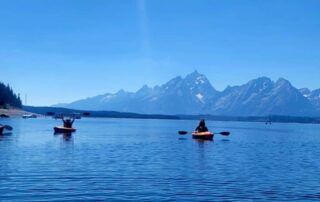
261, 97
179, 95
194, 94
312, 96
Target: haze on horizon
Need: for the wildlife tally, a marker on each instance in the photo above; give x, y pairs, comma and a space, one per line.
61, 51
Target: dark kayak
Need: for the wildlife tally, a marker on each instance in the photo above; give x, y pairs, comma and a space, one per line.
61, 129
203, 135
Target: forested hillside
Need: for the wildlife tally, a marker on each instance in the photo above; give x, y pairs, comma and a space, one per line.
8, 99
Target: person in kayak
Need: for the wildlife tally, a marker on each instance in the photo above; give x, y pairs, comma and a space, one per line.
201, 127
67, 123
1, 129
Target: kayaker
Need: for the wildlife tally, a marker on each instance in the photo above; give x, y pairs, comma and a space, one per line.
201, 127
1, 128
67, 122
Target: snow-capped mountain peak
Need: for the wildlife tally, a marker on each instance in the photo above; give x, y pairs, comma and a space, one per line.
194, 94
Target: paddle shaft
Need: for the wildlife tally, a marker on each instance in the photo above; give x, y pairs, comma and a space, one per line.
225, 133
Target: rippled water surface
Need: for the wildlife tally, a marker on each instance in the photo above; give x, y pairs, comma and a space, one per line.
139, 160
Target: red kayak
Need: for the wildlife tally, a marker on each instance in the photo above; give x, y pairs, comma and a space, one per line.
61, 129
203, 135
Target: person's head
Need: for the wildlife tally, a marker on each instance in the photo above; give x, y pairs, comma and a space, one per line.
202, 123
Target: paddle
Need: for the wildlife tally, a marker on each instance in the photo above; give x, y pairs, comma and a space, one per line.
225, 133
182, 132
7, 127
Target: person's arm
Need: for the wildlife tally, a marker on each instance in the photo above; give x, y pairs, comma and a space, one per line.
197, 129
64, 121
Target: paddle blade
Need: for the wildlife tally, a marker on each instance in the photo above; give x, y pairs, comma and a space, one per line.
8, 127
225, 133
183, 132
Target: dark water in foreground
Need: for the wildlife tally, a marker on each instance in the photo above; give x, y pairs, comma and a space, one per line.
139, 160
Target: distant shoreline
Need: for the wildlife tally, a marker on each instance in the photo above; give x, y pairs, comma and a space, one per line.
13, 112
98, 114
264, 119
113, 114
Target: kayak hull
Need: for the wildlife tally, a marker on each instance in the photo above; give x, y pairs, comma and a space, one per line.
203, 135
61, 129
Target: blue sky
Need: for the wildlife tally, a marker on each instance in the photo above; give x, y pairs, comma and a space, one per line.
59, 51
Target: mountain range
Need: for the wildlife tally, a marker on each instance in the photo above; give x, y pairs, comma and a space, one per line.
195, 95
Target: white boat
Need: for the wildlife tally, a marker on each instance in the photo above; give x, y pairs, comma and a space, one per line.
28, 116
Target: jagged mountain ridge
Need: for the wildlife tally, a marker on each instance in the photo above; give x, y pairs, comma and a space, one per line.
177, 96
194, 94
262, 97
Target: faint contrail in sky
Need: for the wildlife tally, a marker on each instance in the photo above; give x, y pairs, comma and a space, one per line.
144, 29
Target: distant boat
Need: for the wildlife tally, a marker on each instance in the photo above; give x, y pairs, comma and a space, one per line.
28, 116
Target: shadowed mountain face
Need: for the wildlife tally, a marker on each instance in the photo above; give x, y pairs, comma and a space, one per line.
262, 97
312, 96
194, 94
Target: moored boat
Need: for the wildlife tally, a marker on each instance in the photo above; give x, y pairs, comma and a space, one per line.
203, 135
29, 116
61, 129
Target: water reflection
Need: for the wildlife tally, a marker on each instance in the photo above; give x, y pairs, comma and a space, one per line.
66, 137
262, 129
203, 141
5, 136
121, 159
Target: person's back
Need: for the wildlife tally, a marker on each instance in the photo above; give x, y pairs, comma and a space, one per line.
67, 123
201, 127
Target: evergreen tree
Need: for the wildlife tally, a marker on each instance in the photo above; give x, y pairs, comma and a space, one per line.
8, 98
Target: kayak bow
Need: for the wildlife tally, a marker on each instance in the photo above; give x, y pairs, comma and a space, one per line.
61, 129
203, 135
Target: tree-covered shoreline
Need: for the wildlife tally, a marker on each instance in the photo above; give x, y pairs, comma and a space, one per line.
8, 99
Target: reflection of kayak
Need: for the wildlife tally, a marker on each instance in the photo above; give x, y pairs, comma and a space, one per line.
203, 135
61, 129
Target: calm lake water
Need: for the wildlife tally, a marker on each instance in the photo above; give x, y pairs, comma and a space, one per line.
146, 160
